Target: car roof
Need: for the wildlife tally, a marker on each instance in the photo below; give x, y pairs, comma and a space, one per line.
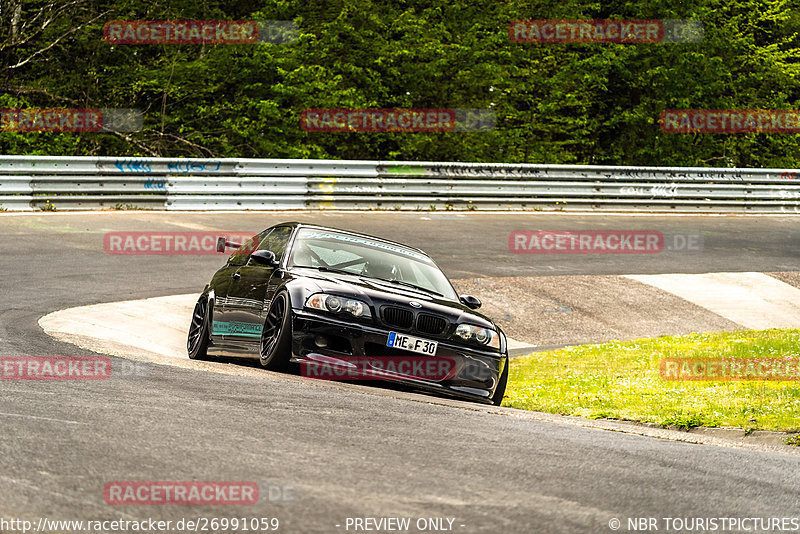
348, 232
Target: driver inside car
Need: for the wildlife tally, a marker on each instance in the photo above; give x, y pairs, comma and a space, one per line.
303, 258
380, 270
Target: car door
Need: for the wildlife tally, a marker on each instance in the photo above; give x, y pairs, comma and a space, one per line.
221, 328
252, 288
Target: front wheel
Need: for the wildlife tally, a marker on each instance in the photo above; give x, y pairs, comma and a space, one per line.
276, 337
500, 391
197, 342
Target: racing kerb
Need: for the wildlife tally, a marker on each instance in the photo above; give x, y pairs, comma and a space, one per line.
81, 183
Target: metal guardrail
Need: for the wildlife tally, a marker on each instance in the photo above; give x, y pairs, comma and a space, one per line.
79, 183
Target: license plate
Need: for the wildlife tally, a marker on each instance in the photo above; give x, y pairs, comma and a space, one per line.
414, 344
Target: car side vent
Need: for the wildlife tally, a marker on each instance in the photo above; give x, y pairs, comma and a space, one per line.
398, 317
431, 324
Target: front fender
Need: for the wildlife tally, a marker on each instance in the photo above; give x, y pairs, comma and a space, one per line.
299, 291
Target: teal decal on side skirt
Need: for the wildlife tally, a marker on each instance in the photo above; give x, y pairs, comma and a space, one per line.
236, 328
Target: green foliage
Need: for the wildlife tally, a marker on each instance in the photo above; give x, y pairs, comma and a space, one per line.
47, 206
126, 206
554, 103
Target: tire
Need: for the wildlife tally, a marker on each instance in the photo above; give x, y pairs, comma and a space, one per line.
197, 341
276, 336
500, 391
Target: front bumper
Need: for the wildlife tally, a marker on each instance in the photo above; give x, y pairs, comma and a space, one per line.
474, 374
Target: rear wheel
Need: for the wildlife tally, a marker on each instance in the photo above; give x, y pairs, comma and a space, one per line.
276, 337
197, 342
500, 391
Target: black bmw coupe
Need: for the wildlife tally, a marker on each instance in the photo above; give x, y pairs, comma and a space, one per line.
345, 306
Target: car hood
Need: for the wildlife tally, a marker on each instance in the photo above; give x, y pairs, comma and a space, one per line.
379, 293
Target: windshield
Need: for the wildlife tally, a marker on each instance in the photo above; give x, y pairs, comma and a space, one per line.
362, 256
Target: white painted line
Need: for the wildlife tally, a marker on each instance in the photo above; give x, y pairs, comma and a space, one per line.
2, 414
754, 300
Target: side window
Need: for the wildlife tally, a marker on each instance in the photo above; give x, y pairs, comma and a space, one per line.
239, 257
276, 241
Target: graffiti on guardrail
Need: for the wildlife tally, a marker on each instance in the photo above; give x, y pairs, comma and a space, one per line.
457, 171
400, 169
133, 165
332, 188
156, 183
194, 166
485, 172
177, 166
565, 173
667, 176
653, 191
279, 183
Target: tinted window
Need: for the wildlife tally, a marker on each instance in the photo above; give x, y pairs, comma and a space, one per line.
276, 241
242, 253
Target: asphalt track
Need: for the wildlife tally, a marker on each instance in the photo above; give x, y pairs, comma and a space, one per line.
337, 452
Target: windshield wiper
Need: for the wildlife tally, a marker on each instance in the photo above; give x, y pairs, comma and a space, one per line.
327, 269
408, 284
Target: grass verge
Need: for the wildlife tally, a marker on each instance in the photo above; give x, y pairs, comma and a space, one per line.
623, 380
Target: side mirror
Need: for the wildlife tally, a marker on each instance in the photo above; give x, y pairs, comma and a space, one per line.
223, 242
470, 301
264, 257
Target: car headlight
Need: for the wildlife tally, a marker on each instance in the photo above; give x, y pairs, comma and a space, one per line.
336, 304
484, 336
